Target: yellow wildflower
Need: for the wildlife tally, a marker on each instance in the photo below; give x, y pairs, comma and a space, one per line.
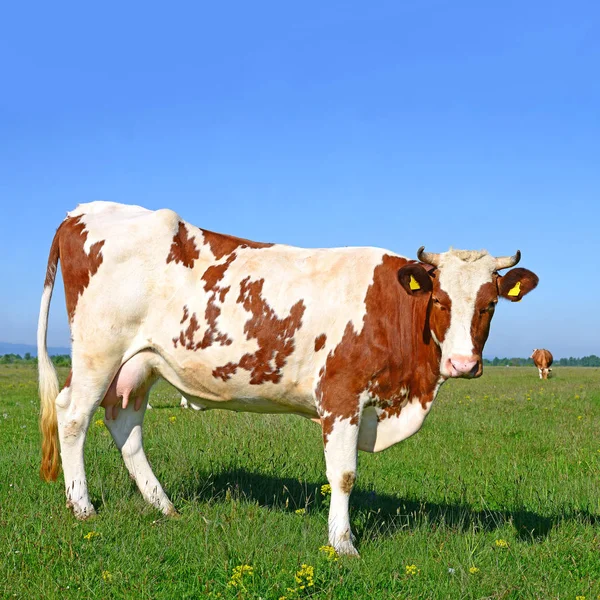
473, 570
501, 544
172, 419
305, 577
580, 597
99, 422
330, 552
107, 576
326, 490
412, 570
237, 577
300, 511
90, 535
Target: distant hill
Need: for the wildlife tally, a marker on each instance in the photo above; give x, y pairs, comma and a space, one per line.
22, 349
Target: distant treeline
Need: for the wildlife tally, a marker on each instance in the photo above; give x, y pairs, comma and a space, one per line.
60, 360
585, 361
64, 360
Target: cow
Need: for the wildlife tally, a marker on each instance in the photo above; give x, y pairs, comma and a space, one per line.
183, 403
542, 359
358, 339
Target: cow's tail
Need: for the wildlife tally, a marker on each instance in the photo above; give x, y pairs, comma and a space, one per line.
48, 380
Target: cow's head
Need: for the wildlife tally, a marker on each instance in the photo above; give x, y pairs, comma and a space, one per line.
463, 287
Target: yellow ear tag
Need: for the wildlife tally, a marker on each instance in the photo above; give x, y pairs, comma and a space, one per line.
516, 290
414, 284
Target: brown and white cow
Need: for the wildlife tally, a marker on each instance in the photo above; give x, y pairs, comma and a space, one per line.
542, 359
358, 338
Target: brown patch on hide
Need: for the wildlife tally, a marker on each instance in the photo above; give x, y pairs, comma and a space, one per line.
320, 342
393, 355
215, 273
274, 336
186, 337
77, 265
222, 244
347, 483
183, 249
211, 335
186, 314
225, 372
68, 380
485, 305
211, 277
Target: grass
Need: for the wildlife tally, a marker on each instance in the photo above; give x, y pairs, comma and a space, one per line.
498, 496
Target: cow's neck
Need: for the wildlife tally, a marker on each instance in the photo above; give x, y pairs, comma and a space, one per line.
407, 378
392, 360
408, 361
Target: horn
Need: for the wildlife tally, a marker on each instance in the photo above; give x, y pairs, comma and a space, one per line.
504, 262
431, 258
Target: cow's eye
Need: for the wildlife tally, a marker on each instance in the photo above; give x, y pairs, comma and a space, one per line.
438, 303
489, 308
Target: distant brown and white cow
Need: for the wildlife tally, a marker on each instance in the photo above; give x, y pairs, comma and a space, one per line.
359, 339
542, 359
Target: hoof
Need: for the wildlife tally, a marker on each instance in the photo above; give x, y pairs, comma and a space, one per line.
346, 548
82, 513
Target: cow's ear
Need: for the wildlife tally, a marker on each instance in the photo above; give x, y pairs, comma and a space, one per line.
516, 283
415, 280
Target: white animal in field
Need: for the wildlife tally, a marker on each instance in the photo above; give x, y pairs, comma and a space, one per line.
183, 403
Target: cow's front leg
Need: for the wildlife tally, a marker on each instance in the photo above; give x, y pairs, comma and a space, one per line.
341, 449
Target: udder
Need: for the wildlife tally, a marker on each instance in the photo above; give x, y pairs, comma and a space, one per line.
131, 383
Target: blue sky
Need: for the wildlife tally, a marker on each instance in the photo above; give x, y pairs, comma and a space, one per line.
392, 124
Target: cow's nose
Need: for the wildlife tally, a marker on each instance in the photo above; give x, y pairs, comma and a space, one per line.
462, 366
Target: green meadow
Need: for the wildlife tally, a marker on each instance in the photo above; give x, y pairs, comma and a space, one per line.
498, 496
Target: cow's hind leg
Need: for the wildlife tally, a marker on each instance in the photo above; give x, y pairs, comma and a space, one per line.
126, 430
341, 448
75, 406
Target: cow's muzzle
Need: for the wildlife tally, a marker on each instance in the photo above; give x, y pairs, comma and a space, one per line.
463, 366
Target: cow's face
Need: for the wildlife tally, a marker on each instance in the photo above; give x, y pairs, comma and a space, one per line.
463, 290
